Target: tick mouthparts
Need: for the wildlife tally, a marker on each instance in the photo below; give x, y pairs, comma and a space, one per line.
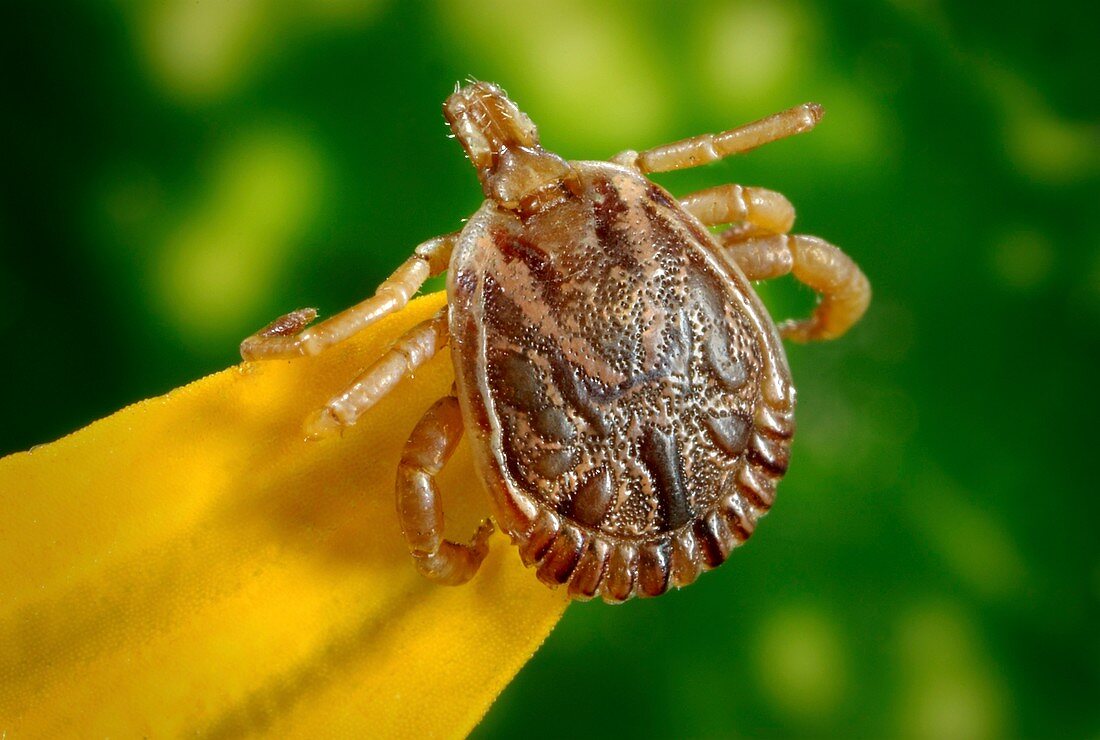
502, 143
487, 122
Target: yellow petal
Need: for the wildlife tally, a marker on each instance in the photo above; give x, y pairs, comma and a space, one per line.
192, 565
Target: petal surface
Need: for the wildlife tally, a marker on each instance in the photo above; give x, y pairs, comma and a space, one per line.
191, 565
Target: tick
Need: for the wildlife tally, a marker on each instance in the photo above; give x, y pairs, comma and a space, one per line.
626, 393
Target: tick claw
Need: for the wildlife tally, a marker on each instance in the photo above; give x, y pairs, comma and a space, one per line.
322, 424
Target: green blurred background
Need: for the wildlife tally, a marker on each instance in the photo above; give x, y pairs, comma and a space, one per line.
180, 172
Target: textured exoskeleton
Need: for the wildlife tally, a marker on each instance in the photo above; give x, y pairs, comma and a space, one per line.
626, 393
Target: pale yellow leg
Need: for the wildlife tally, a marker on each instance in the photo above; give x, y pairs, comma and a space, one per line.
409, 352
707, 148
760, 246
287, 336
758, 210
844, 289
419, 508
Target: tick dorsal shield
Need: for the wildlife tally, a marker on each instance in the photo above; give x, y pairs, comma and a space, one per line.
625, 392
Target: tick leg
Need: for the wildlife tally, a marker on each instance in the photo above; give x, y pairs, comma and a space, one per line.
844, 289
409, 352
707, 148
287, 336
419, 508
758, 211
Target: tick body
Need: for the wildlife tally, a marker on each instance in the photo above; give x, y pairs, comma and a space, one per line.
627, 395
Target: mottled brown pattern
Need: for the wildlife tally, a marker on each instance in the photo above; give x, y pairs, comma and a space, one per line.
626, 395
621, 364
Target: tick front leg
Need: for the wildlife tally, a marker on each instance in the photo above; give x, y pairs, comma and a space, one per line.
844, 289
758, 211
708, 148
409, 352
287, 336
419, 508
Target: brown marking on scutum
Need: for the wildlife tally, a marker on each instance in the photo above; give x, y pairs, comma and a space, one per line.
576, 394
512, 247
665, 235
771, 454
538, 263
522, 384
661, 196
589, 504
562, 557
464, 282
661, 455
503, 315
521, 388
675, 354
552, 423
730, 433
553, 463
730, 371
585, 581
653, 568
616, 240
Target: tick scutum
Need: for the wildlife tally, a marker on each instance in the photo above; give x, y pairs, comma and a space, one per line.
660, 453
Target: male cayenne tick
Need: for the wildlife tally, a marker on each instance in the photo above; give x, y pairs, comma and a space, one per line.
627, 395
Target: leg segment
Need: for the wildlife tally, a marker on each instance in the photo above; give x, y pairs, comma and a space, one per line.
761, 211
413, 349
844, 289
284, 337
708, 148
419, 508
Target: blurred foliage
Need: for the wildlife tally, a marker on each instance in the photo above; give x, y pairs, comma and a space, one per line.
179, 172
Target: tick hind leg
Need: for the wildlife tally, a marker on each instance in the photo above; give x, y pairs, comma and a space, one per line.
409, 352
759, 244
756, 211
288, 336
419, 508
844, 289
